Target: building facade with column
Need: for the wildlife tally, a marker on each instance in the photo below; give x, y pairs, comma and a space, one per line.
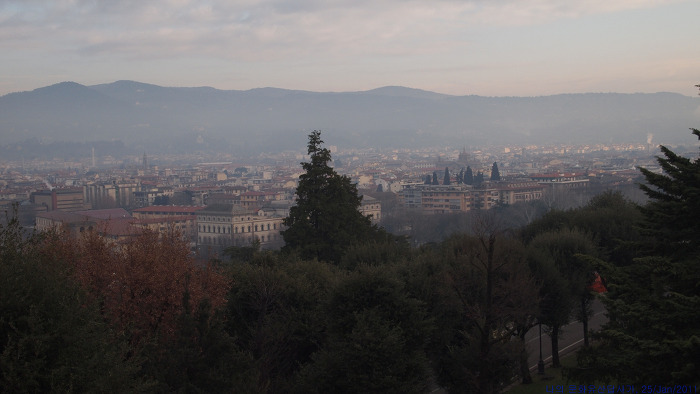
371, 207
222, 226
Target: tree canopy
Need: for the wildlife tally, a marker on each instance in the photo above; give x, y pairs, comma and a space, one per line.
53, 339
325, 220
557, 259
495, 174
479, 178
469, 176
480, 292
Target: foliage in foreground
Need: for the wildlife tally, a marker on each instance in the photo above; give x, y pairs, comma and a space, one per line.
52, 336
653, 303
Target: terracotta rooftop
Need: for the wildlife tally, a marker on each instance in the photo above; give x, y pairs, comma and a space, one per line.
170, 208
112, 213
557, 175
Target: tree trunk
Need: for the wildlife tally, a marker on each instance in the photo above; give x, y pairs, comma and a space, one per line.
584, 320
524, 367
555, 347
485, 383
585, 330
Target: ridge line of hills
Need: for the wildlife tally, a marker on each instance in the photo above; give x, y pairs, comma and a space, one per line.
189, 119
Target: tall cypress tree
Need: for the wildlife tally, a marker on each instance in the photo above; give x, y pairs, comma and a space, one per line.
469, 176
325, 220
446, 179
495, 175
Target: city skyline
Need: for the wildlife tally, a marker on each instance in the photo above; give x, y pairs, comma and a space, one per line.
505, 48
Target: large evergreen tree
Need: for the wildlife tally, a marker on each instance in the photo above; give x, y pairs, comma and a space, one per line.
446, 179
673, 216
325, 220
653, 303
469, 176
495, 175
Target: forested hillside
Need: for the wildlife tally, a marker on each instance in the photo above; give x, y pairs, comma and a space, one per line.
130, 117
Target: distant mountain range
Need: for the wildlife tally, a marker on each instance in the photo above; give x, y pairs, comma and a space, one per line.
134, 116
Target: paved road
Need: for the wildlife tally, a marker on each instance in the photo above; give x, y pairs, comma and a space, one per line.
570, 339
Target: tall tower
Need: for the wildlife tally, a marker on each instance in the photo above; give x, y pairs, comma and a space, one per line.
145, 161
463, 156
93, 157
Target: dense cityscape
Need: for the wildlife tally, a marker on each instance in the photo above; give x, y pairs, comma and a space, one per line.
126, 194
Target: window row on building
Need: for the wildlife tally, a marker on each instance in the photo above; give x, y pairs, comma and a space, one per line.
220, 226
463, 198
219, 229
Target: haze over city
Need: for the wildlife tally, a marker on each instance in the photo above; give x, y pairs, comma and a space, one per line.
487, 48
331, 196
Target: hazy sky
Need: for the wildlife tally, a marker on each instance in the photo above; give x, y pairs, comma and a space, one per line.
483, 47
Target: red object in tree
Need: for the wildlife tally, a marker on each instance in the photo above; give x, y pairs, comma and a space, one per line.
598, 286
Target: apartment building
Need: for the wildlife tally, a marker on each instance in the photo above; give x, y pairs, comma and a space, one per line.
562, 181
446, 198
513, 192
463, 198
67, 200
111, 194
